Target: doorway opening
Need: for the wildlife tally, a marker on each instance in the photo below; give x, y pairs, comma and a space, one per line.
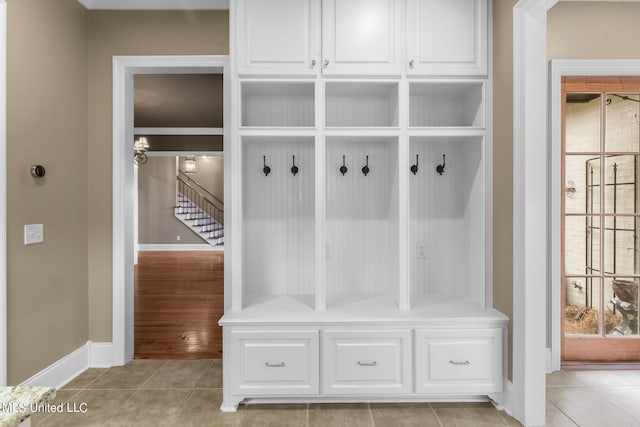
600, 219
179, 229
125, 69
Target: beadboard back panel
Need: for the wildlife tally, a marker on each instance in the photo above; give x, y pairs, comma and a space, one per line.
269, 104
361, 219
278, 218
446, 104
447, 219
361, 104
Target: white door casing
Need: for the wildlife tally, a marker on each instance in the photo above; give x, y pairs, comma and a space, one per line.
559, 69
530, 210
124, 68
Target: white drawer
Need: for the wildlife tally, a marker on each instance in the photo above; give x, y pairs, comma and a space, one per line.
366, 362
274, 362
459, 361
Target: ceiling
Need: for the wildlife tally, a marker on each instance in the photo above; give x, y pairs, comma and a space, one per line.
179, 101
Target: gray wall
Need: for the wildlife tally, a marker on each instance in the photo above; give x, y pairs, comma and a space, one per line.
156, 197
46, 124
209, 174
593, 30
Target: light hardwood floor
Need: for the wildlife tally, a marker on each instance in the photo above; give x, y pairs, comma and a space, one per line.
179, 297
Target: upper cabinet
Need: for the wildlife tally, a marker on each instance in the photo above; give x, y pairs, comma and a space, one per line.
447, 37
293, 37
361, 37
278, 36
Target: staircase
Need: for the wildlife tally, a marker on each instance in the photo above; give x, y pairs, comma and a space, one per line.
199, 210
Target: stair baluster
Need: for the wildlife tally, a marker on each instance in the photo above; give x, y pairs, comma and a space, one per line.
199, 210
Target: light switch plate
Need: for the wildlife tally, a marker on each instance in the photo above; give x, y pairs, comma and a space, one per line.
33, 233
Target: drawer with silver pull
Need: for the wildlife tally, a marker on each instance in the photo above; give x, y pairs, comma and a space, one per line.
366, 361
275, 362
458, 361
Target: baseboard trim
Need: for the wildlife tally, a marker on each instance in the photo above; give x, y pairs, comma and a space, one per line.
61, 372
100, 354
175, 247
503, 401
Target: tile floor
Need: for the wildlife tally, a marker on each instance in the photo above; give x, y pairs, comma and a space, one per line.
189, 393
593, 398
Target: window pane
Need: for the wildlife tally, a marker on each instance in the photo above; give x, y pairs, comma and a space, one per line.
582, 245
621, 184
582, 299
582, 186
582, 122
621, 312
621, 245
622, 131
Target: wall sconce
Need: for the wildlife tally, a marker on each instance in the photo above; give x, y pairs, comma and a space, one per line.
190, 164
570, 189
140, 147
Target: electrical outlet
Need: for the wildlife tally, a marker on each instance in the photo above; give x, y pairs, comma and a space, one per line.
33, 233
178, 237
420, 252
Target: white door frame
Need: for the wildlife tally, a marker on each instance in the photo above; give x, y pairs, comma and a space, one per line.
559, 69
531, 235
124, 68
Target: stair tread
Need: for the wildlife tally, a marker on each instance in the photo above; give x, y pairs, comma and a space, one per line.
209, 229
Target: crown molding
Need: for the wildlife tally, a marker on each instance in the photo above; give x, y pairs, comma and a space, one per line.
155, 4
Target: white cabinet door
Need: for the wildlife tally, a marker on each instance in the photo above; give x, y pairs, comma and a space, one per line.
458, 361
366, 362
361, 37
274, 362
277, 36
447, 37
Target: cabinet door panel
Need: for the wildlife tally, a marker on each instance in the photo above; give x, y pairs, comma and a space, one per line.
367, 362
458, 361
278, 36
274, 362
447, 37
361, 36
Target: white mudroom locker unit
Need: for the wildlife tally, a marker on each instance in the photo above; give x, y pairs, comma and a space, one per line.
358, 252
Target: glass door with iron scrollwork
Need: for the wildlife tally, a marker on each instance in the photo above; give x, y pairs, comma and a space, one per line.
600, 218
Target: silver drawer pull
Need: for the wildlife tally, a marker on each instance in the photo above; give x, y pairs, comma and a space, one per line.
374, 363
274, 365
466, 362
